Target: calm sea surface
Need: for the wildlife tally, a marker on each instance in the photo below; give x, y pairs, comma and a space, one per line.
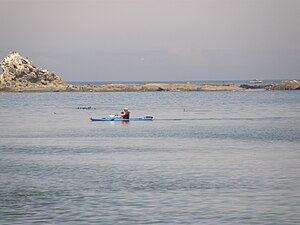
208, 158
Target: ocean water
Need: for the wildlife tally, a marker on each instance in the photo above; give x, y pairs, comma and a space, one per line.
207, 158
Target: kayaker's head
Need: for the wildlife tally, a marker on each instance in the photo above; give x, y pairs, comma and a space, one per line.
125, 109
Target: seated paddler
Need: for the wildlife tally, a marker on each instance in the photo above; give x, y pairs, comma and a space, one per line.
125, 114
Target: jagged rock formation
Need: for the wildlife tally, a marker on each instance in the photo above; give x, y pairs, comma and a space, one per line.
159, 87
285, 85
20, 75
256, 86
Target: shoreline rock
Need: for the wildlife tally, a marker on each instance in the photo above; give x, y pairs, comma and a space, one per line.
285, 85
20, 75
152, 87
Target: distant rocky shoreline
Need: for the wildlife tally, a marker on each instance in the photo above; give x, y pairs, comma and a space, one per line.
20, 75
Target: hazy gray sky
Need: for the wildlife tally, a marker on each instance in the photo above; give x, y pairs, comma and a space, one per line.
155, 40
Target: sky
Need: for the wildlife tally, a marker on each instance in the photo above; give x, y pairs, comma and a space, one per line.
155, 40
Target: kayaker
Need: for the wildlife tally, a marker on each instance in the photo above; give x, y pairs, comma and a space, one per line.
125, 114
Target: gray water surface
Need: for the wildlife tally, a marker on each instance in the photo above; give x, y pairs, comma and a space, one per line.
207, 158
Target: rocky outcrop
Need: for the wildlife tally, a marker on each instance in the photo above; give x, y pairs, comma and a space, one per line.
158, 87
190, 87
256, 86
19, 74
285, 85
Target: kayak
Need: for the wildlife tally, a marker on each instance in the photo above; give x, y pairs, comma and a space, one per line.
147, 118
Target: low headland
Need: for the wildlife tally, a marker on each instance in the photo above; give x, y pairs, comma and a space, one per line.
20, 75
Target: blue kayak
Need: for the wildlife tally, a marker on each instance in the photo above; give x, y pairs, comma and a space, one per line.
147, 118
